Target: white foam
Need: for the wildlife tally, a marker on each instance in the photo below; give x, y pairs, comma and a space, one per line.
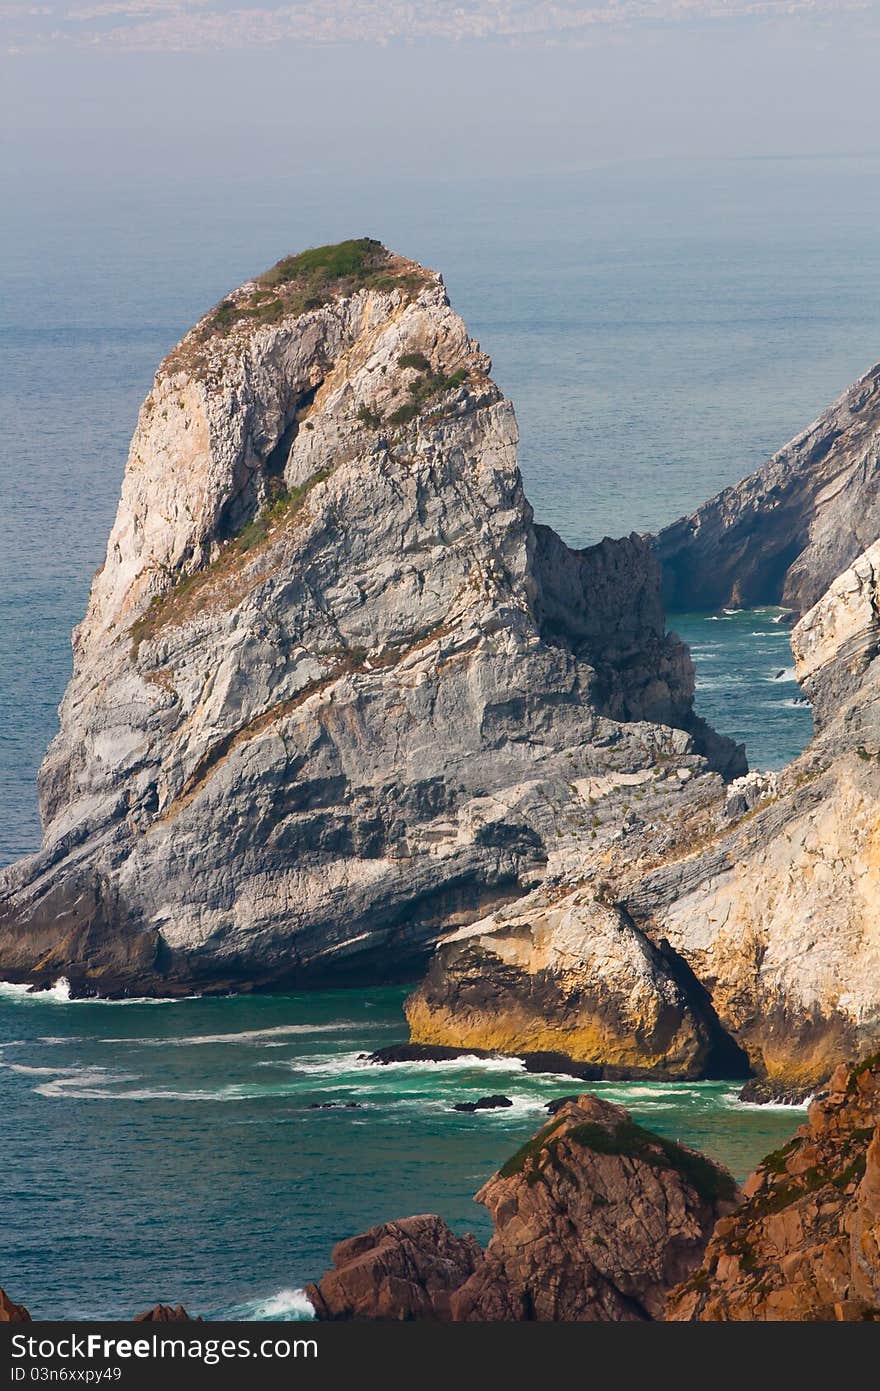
467, 1060
59, 994
290, 1306
245, 1036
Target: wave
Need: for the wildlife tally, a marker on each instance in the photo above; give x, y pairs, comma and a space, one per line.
246, 1035
288, 1306
59, 994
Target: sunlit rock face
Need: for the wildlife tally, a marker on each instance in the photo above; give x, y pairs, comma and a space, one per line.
334, 693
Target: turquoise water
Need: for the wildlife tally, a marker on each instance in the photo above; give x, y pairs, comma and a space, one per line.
661, 332
746, 686
167, 1151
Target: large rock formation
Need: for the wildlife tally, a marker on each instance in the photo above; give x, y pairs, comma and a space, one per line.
805, 1245
785, 532
335, 693
765, 894
595, 1219
767, 897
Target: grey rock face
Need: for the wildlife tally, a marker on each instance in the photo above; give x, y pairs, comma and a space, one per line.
784, 533
334, 693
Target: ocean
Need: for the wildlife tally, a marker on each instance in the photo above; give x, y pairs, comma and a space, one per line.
661, 330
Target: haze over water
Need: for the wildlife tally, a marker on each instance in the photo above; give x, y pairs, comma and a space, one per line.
660, 332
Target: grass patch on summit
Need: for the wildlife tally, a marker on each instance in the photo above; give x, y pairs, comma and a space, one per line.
297, 284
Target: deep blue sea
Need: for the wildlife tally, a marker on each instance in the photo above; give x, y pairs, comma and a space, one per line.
661, 331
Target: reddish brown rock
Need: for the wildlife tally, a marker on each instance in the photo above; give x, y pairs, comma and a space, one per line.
165, 1313
805, 1246
12, 1313
400, 1270
595, 1219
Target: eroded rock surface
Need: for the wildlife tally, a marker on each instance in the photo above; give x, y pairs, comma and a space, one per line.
805, 1245
595, 1219
398, 1271
786, 532
334, 693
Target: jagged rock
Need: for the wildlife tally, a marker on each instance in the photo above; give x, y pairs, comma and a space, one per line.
805, 1245
400, 1270
12, 1313
595, 1219
576, 979
485, 1103
166, 1313
766, 899
334, 694
784, 533
743, 794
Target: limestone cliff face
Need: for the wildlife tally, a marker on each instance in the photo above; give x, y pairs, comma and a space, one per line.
805, 1245
334, 692
595, 1220
786, 532
682, 922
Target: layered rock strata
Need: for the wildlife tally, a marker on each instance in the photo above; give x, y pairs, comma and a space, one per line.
786, 532
595, 1219
334, 693
766, 895
805, 1245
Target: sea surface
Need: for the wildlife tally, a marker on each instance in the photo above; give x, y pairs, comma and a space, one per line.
169, 1151
661, 330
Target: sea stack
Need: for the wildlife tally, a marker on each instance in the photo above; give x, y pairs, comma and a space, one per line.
335, 693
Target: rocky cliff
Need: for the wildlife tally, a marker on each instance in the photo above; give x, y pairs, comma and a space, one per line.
686, 927
334, 693
805, 1245
595, 1220
786, 532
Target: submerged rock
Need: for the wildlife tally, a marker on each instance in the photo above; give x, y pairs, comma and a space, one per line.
485, 1103
595, 1219
805, 1245
10, 1312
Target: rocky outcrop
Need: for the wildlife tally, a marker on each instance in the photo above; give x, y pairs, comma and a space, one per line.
763, 899
335, 694
12, 1313
595, 1219
786, 532
400, 1270
165, 1313
572, 975
805, 1245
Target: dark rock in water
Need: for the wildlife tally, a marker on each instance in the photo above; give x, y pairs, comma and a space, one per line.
779, 675
763, 1092
400, 1270
333, 1106
422, 1053
166, 1313
557, 1104
485, 1103
12, 1313
561, 1062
